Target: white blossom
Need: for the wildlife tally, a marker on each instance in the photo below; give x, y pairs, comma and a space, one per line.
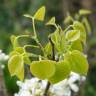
3, 57
35, 87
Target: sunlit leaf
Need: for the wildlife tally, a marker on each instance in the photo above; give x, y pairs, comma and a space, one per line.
19, 50
51, 21
62, 71
80, 27
43, 69
68, 19
77, 45
48, 49
87, 25
84, 12
15, 65
28, 16
78, 62
40, 14
72, 35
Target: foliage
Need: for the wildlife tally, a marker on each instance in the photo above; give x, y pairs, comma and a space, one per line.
63, 59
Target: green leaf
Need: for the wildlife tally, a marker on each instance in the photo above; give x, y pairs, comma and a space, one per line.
80, 27
26, 59
48, 49
84, 12
68, 19
87, 25
43, 69
14, 41
62, 71
72, 35
77, 45
13, 37
78, 62
40, 14
28, 16
15, 65
56, 39
20, 50
14, 53
51, 21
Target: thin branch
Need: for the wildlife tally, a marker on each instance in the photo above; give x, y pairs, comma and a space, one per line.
53, 58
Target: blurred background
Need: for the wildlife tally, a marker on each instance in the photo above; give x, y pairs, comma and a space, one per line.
12, 21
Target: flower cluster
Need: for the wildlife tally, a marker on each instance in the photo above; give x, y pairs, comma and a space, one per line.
3, 57
35, 87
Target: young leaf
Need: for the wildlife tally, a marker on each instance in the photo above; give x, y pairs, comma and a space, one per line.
62, 71
43, 69
68, 19
48, 49
77, 45
19, 50
84, 12
51, 21
78, 62
72, 35
15, 64
40, 14
28, 16
87, 25
56, 38
80, 27
14, 41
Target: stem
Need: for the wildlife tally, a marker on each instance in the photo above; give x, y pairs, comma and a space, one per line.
34, 29
53, 58
35, 35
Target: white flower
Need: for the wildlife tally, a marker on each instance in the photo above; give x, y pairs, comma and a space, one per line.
34, 86
3, 57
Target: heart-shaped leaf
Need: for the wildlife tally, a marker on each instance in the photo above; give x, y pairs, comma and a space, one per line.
15, 65
78, 62
62, 71
72, 35
43, 69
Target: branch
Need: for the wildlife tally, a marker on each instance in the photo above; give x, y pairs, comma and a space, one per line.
53, 58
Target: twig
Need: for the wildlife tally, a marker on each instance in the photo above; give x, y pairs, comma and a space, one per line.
53, 58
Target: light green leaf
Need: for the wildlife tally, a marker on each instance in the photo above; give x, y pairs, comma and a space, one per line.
80, 27
48, 49
14, 53
84, 12
43, 69
62, 71
78, 62
28, 16
13, 37
15, 65
68, 19
56, 39
72, 35
77, 45
40, 14
14, 41
87, 25
51, 21
19, 50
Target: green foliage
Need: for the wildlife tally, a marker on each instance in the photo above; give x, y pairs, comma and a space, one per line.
62, 71
43, 69
16, 66
61, 55
72, 35
78, 62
